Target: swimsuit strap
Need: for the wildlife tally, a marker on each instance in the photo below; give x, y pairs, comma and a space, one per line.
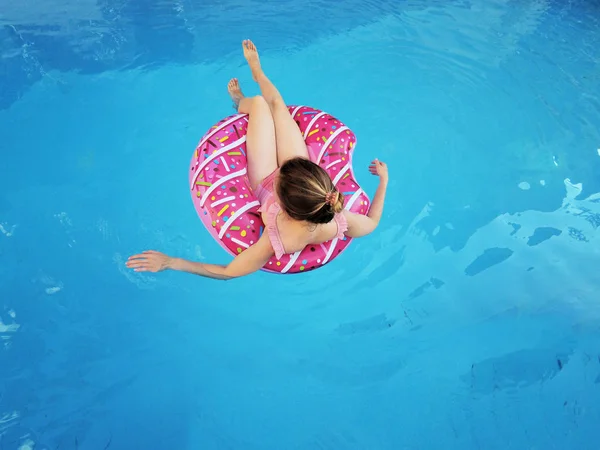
273, 231
342, 225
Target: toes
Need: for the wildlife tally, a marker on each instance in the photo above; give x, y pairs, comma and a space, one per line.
233, 84
248, 45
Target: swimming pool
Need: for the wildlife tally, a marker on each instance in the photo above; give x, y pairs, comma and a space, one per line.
469, 320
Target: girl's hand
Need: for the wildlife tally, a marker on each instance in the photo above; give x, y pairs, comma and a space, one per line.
149, 261
380, 169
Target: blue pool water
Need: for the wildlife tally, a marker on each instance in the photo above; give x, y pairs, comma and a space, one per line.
469, 320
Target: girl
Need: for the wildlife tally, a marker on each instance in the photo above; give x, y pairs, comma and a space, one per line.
299, 203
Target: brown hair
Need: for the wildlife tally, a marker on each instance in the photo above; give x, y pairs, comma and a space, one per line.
306, 192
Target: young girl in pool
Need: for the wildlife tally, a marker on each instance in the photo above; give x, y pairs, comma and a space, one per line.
299, 203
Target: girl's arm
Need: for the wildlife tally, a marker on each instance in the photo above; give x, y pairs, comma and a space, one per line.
249, 261
359, 225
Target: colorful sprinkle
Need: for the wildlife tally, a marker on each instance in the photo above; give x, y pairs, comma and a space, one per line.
203, 183
234, 153
222, 210
225, 164
238, 242
243, 233
224, 138
234, 228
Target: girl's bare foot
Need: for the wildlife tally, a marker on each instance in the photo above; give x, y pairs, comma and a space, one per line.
233, 87
251, 55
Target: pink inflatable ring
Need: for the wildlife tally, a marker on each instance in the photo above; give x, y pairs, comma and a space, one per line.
229, 209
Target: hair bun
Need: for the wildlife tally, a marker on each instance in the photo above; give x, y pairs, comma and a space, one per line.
307, 192
337, 203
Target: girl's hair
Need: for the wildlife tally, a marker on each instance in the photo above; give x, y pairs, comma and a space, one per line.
306, 192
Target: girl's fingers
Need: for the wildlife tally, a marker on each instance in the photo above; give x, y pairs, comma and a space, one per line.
143, 268
144, 254
136, 262
143, 262
136, 259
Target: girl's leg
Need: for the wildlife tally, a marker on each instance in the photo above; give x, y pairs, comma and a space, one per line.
290, 143
260, 137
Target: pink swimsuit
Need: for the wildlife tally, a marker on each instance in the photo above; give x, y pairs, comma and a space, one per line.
268, 203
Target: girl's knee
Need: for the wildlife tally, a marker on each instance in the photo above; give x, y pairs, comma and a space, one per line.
259, 101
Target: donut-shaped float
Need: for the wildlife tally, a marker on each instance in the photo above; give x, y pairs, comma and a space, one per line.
228, 208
